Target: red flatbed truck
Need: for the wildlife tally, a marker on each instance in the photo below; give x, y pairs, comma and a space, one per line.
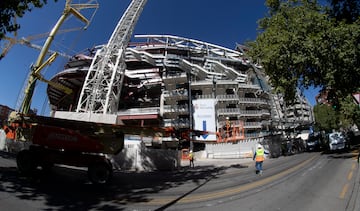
70, 142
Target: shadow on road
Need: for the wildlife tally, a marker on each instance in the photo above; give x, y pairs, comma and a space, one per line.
68, 189
348, 153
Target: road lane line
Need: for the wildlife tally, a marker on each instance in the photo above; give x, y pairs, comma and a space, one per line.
350, 175
344, 190
353, 166
318, 164
230, 191
346, 186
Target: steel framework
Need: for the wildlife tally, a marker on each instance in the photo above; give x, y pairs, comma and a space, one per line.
102, 87
35, 73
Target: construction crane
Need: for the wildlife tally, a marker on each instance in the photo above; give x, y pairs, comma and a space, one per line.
27, 41
70, 9
102, 87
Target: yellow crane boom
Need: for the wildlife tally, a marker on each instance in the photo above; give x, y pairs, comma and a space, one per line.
70, 9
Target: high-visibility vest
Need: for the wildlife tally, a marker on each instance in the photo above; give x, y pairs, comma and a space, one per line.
259, 155
191, 156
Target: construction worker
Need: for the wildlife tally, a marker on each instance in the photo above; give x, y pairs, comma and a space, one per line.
191, 158
259, 157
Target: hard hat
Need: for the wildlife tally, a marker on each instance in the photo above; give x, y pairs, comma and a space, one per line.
259, 146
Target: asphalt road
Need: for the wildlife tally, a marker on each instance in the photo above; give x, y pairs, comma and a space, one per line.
307, 181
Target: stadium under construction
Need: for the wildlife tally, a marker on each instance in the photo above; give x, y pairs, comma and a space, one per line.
188, 84
153, 85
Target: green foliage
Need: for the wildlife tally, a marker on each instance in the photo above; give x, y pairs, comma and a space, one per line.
345, 10
300, 45
345, 115
9, 9
349, 112
326, 118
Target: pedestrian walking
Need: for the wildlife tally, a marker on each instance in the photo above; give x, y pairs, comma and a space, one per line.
259, 157
191, 158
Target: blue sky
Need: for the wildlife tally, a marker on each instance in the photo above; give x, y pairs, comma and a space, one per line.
222, 23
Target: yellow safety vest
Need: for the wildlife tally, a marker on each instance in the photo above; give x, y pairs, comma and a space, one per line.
191, 156
259, 155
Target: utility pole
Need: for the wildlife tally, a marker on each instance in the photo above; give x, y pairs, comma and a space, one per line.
190, 113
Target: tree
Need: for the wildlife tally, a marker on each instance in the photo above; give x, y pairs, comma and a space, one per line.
9, 9
345, 10
301, 45
349, 113
326, 117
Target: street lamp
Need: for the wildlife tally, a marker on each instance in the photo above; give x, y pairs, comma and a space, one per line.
190, 112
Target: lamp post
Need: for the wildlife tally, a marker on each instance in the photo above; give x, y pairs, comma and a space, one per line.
214, 95
190, 113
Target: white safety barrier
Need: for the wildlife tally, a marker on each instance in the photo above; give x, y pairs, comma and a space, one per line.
2, 139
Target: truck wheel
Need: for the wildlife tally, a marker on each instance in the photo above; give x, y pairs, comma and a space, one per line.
47, 167
26, 162
100, 172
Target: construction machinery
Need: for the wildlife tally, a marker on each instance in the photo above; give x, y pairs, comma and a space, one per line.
70, 9
75, 143
27, 41
103, 83
80, 143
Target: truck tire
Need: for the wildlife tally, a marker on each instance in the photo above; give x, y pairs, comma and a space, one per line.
46, 167
26, 162
100, 172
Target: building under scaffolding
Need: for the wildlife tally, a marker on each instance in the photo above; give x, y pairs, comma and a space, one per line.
188, 84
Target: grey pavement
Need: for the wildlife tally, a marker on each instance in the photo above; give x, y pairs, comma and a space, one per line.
219, 162
354, 204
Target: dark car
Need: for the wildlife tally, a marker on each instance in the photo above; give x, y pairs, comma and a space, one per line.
313, 143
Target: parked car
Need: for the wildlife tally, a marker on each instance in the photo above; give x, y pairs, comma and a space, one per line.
336, 141
313, 143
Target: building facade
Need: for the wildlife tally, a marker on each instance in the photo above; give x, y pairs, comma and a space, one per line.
4, 113
189, 84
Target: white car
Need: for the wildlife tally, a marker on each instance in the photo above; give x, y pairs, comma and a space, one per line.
336, 141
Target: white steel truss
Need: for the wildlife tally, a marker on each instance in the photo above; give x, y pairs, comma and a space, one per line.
102, 87
196, 45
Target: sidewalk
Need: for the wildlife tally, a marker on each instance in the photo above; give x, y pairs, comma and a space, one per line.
219, 162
